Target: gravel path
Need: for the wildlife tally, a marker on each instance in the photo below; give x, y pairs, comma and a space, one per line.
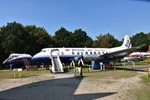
67, 87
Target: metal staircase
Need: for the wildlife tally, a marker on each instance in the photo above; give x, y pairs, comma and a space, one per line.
56, 63
28, 65
26, 61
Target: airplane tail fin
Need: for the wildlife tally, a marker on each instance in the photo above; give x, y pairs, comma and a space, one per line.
148, 49
126, 43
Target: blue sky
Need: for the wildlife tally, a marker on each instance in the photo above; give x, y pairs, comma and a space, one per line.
117, 17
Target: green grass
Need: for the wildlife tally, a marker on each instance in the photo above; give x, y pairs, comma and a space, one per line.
144, 92
116, 74
146, 80
6, 74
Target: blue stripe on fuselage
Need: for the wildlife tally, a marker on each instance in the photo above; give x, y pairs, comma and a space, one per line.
47, 60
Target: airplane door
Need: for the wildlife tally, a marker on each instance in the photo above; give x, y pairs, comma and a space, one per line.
54, 52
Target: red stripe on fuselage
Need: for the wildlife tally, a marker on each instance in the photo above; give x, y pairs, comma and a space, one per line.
18, 59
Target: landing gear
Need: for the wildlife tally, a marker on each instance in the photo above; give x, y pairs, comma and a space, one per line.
77, 70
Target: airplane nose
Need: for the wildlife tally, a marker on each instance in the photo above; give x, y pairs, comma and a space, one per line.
35, 57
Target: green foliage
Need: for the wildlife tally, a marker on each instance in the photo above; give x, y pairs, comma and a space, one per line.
78, 38
62, 38
16, 38
106, 41
20, 39
13, 35
141, 38
38, 38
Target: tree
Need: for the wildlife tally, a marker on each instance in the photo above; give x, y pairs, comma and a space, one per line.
37, 39
81, 39
13, 36
106, 41
2, 51
139, 39
62, 38
28, 39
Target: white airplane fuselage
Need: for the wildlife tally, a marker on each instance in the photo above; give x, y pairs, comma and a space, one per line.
66, 55
137, 56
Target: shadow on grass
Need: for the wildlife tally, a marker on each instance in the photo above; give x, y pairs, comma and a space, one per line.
54, 89
137, 68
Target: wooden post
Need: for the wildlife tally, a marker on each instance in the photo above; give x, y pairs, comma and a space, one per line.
81, 74
20, 74
14, 74
147, 72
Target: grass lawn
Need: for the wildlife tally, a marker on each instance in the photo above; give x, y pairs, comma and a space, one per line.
6, 74
144, 92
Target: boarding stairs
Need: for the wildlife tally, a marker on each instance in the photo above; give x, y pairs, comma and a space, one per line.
56, 63
26, 61
28, 65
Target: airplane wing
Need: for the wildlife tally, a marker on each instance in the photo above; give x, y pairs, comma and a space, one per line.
111, 54
122, 51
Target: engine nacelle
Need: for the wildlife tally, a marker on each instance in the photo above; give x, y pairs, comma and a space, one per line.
76, 59
87, 58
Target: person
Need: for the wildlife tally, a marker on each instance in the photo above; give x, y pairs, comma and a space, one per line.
101, 65
10, 66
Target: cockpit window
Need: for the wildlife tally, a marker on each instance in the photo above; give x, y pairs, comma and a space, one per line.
13, 56
43, 50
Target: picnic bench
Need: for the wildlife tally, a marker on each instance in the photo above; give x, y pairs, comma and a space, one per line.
31, 67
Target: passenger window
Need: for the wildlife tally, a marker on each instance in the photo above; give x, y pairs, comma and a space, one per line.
62, 53
91, 53
99, 53
81, 53
86, 52
78, 53
72, 53
95, 53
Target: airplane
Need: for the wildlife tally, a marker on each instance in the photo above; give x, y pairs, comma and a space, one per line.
67, 55
15, 60
137, 56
